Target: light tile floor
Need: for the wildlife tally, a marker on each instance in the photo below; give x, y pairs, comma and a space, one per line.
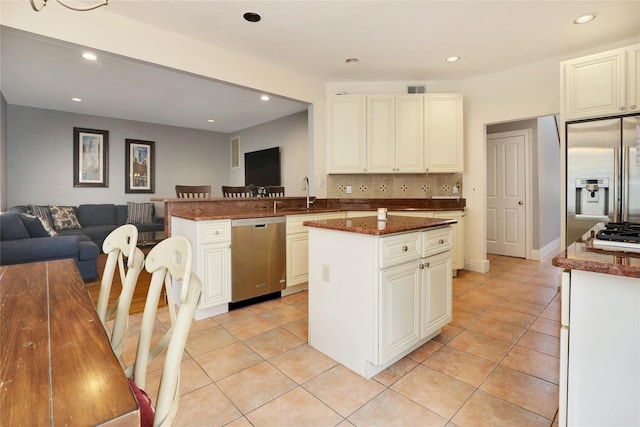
495, 364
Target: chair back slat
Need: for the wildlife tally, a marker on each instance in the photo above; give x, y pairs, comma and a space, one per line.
193, 191
230, 191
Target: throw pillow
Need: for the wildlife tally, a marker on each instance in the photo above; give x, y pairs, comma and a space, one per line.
11, 228
34, 226
42, 212
64, 217
139, 213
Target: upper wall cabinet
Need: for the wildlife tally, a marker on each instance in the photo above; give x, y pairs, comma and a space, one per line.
347, 134
602, 84
443, 132
391, 133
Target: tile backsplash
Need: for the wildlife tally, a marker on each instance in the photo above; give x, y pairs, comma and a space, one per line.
393, 186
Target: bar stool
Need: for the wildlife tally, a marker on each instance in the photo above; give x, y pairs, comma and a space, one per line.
170, 261
119, 243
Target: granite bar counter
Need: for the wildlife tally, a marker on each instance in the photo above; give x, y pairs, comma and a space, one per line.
372, 226
581, 255
207, 209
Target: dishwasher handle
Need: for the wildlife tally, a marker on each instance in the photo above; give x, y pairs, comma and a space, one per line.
260, 226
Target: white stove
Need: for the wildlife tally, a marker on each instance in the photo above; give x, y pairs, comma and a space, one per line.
618, 236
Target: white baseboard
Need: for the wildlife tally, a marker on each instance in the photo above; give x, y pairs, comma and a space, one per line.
547, 251
479, 266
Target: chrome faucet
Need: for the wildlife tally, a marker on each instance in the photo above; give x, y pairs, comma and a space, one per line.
305, 187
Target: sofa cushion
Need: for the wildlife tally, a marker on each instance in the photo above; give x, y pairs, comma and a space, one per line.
12, 228
139, 213
34, 225
92, 215
88, 250
43, 213
121, 214
64, 217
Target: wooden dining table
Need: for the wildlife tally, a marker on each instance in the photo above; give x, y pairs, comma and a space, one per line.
56, 364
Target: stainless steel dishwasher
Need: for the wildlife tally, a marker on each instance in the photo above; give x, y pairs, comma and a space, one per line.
258, 257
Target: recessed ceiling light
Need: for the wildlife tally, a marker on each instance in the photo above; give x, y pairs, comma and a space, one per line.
89, 56
211, 120
585, 18
265, 97
352, 61
453, 59
76, 99
252, 17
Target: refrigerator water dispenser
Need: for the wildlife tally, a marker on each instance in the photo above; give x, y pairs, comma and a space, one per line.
592, 198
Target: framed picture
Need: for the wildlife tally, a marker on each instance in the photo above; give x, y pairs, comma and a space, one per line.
90, 158
139, 167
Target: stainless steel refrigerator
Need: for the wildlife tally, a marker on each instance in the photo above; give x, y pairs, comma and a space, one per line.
603, 173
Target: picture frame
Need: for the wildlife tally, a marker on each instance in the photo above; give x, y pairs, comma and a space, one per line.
139, 166
90, 157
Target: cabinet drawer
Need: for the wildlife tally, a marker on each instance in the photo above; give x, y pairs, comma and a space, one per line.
436, 241
215, 232
294, 222
396, 250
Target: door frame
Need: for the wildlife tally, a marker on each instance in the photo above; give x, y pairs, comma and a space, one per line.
528, 213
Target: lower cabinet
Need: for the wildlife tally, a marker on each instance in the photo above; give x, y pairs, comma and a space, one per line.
370, 313
211, 242
457, 250
298, 246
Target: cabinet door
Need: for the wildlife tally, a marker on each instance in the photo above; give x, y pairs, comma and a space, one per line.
633, 79
409, 135
457, 231
436, 293
347, 134
443, 133
214, 267
381, 151
594, 85
297, 259
399, 310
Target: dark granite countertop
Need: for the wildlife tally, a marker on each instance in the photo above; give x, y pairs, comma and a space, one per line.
372, 226
581, 255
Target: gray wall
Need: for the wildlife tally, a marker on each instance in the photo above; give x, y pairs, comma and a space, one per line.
3, 153
289, 133
40, 170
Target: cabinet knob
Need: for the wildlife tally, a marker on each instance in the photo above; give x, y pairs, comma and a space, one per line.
441, 241
421, 266
216, 232
622, 108
426, 265
405, 249
633, 107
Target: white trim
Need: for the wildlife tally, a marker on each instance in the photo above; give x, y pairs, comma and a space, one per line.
479, 266
547, 251
235, 152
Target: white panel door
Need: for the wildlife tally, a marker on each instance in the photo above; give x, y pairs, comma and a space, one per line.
506, 227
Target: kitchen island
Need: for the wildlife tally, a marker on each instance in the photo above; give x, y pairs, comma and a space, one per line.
377, 289
599, 336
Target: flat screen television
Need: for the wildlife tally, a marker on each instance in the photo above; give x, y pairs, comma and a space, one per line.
262, 168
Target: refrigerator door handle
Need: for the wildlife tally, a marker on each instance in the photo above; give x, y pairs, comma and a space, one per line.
625, 183
616, 185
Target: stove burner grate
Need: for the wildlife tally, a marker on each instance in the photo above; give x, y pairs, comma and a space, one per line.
620, 232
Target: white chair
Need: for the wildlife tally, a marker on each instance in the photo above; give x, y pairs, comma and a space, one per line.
119, 243
170, 262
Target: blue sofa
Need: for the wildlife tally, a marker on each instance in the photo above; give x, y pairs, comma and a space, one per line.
23, 238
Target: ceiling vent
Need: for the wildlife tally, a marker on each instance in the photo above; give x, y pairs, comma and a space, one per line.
415, 89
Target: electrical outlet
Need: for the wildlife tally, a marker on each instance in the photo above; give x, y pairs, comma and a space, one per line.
349, 190
325, 272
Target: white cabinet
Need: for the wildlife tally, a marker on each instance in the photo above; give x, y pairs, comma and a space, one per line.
298, 246
376, 134
370, 313
347, 131
395, 139
211, 241
443, 133
602, 84
457, 230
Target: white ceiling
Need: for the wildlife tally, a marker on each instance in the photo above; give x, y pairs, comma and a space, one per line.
394, 41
